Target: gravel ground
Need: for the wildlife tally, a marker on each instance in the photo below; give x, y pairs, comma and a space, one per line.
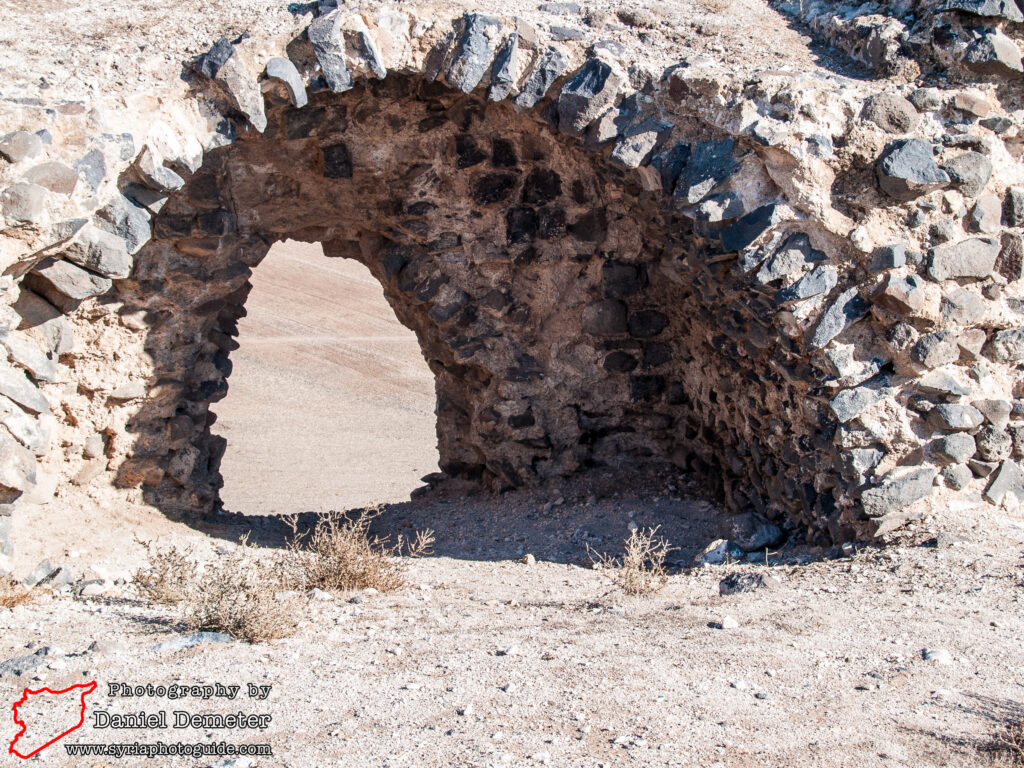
485, 660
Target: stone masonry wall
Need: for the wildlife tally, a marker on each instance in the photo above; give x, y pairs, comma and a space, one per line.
804, 287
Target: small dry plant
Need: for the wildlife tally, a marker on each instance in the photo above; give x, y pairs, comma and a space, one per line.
239, 593
13, 594
1009, 745
339, 553
641, 569
244, 595
170, 573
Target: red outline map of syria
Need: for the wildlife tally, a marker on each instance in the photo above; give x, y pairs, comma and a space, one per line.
35, 738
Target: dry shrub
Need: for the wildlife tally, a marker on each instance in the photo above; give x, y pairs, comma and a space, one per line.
340, 554
641, 569
1009, 746
13, 594
239, 593
170, 573
244, 595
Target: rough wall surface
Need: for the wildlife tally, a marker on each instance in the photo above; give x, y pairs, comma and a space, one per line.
802, 284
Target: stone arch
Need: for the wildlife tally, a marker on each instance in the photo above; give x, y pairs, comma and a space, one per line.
600, 267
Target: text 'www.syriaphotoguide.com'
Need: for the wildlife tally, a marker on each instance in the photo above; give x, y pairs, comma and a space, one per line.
170, 749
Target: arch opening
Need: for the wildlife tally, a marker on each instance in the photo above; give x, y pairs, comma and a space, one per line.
330, 404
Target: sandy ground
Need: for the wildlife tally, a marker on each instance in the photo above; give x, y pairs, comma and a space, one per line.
484, 660
330, 404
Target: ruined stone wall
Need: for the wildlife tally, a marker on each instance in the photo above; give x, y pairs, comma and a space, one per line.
804, 287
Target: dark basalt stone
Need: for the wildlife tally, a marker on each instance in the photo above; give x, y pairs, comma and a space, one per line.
521, 224
542, 185
467, 153
337, 162
494, 187
647, 323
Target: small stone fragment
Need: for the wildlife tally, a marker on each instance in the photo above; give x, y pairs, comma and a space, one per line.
282, 69
963, 306
958, 447
548, 67
54, 176
993, 54
906, 170
1007, 346
100, 252
1008, 479
586, 96
890, 112
936, 349
969, 172
70, 280
711, 163
956, 417
24, 202
504, 70
747, 229
130, 222
20, 145
957, 476
847, 309
720, 551
975, 257
850, 403
474, 50
993, 444
639, 142
986, 215
328, 45
903, 295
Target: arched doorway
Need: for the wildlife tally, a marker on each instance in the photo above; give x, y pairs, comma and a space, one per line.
330, 404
